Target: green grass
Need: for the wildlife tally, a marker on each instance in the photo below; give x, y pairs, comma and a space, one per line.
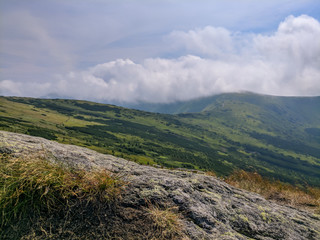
245, 131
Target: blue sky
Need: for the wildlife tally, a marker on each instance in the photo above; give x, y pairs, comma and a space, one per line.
158, 51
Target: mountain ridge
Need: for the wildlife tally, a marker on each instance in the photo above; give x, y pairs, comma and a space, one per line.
203, 103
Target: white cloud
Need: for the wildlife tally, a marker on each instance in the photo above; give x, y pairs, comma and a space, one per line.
13, 88
209, 41
216, 60
10, 88
297, 40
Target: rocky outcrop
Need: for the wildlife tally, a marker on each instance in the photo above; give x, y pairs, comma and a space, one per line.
209, 208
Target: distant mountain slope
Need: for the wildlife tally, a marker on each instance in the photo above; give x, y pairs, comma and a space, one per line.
278, 137
304, 105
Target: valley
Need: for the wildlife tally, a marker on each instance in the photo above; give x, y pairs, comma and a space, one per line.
279, 137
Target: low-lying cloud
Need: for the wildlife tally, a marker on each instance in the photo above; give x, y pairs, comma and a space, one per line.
212, 60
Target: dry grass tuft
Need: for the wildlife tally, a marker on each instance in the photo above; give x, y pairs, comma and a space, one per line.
280, 192
31, 185
211, 173
166, 222
44, 200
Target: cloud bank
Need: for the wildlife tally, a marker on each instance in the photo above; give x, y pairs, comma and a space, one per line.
210, 60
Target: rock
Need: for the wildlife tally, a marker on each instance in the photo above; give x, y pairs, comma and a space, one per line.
210, 208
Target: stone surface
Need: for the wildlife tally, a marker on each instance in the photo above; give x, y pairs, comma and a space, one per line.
210, 208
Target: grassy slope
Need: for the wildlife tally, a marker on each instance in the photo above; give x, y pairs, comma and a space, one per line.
234, 131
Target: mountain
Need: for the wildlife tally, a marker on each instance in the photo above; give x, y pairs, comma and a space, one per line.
150, 203
279, 137
296, 104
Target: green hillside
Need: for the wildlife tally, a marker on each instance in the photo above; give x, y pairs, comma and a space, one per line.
297, 104
278, 137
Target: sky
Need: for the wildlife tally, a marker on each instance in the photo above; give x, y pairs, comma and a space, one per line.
158, 50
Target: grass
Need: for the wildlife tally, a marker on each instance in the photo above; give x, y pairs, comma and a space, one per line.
41, 199
211, 173
306, 198
31, 187
166, 223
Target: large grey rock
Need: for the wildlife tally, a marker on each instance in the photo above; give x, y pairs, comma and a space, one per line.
210, 208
